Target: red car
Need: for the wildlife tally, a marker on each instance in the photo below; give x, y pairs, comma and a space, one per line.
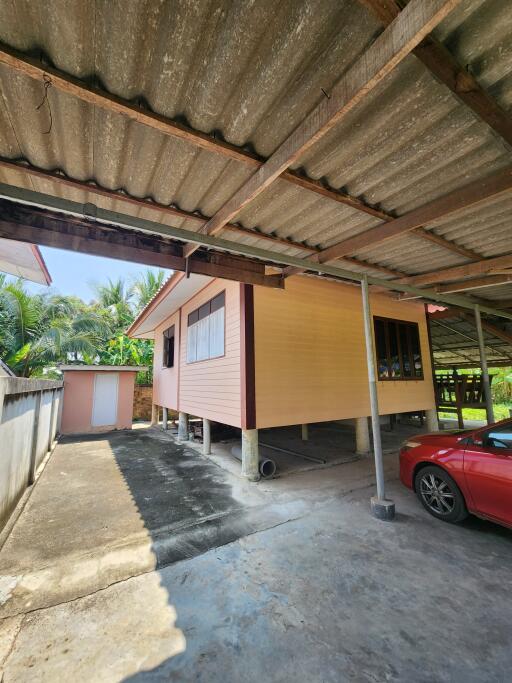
461, 471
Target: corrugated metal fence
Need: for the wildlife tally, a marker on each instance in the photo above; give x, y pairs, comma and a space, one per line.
29, 421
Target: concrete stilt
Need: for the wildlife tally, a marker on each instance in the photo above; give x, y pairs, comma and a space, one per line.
432, 420
250, 454
164, 418
380, 507
183, 426
154, 414
207, 438
362, 436
305, 432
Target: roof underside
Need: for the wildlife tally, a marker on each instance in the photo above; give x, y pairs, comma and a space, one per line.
455, 342
23, 260
250, 73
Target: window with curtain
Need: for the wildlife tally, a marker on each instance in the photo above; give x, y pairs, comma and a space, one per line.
168, 348
397, 345
205, 335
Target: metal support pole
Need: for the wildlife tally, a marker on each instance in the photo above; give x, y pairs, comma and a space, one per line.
164, 418
483, 363
304, 432
381, 508
207, 439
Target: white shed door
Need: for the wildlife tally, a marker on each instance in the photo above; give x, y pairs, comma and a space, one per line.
104, 404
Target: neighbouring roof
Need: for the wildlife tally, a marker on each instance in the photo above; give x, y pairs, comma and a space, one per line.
455, 342
103, 368
175, 292
23, 260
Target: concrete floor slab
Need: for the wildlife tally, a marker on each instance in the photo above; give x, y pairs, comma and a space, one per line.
289, 580
333, 596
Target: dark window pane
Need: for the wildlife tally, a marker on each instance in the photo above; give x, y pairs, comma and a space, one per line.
380, 343
218, 301
192, 318
168, 347
404, 346
416, 352
393, 350
204, 311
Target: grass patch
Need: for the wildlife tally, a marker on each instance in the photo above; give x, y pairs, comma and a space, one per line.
501, 411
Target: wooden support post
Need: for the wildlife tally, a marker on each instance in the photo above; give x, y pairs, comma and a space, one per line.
164, 419
207, 438
381, 508
305, 432
483, 363
183, 426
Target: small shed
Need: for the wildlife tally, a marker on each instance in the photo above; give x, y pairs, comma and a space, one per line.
98, 398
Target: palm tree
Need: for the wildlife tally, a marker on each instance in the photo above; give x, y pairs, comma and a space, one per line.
39, 330
115, 300
146, 286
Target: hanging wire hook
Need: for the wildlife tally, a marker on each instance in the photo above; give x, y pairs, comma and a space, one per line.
47, 83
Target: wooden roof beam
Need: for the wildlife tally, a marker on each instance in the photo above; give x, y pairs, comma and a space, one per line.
479, 268
40, 226
387, 51
440, 62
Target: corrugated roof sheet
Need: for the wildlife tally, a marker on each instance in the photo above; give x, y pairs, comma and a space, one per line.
251, 72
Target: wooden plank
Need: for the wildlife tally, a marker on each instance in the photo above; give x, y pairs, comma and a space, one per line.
481, 267
439, 60
475, 283
469, 195
430, 236
33, 226
388, 50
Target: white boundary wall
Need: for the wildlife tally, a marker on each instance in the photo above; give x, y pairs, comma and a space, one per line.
29, 421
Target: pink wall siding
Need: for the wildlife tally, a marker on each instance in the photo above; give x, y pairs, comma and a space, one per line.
211, 388
165, 380
78, 399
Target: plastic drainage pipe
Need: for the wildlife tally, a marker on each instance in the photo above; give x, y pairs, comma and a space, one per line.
267, 467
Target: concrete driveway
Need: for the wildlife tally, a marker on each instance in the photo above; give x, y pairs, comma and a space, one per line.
137, 559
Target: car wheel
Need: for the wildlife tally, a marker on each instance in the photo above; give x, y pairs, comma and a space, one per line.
440, 495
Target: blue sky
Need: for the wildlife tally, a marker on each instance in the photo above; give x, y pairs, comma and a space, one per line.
75, 273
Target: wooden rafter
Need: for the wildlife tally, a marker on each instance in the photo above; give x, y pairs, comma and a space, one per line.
468, 285
39, 226
469, 195
482, 267
388, 50
439, 60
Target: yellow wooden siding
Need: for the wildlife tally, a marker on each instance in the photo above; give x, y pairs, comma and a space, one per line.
211, 388
310, 354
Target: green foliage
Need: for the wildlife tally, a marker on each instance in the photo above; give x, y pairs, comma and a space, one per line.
38, 331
